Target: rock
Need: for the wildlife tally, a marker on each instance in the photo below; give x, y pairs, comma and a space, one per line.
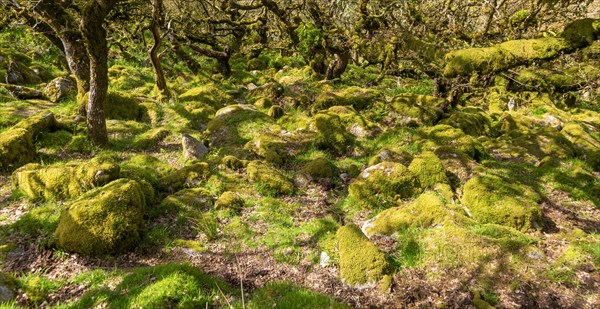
429, 169
187, 200
63, 181
361, 262
324, 259
60, 88
492, 198
319, 168
107, 220
22, 92
229, 200
8, 288
331, 133
553, 122
16, 144
251, 86
192, 148
381, 186
19, 74
232, 162
272, 179
428, 210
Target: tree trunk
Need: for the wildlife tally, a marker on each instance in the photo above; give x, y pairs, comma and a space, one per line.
338, 65
161, 83
191, 63
94, 35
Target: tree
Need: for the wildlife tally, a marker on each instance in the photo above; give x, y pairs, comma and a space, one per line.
79, 26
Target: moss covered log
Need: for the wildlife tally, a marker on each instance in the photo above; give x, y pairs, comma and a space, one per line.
509, 54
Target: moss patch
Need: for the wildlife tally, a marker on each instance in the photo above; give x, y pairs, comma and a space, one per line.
319, 168
191, 176
331, 133
382, 185
63, 181
361, 263
494, 199
429, 169
274, 181
287, 295
103, 221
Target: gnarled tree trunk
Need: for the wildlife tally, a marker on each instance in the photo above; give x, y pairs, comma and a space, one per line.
157, 17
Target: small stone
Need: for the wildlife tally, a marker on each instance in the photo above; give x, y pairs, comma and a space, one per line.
251, 86
192, 148
324, 260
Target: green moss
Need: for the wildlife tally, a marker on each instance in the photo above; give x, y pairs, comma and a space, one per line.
263, 103
429, 169
271, 90
585, 143
582, 32
106, 220
209, 94
16, 148
361, 262
495, 199
150, 138
191, 176
272, 147
63, 181
276, 112
415, 109
382, 185
235, 125
230, 200
359, 98
38, 123
187, 201
441, 135
319, 168
428, 210
232, 162
331, 133
281, 294
503, 56
145, 167
8, 288
355, 123
270, 178
473, 122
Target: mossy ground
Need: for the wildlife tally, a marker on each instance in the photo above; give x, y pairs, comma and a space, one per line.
471, 204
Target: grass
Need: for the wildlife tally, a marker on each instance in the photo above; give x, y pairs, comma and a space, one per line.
283, 294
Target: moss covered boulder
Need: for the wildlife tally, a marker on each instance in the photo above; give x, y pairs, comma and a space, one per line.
63, 181
382, 185
60, 88
16, 148
430, 209
319, 168
16, 143
331, 133
361, 262
429, 169
495, 199
416, 110
106, 220
271, 179
355, 123
442, 135
229, 200
472, 121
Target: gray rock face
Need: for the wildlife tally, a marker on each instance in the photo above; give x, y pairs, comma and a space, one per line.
193, 148
59, 88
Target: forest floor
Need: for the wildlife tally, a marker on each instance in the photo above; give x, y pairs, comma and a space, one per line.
514, 221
